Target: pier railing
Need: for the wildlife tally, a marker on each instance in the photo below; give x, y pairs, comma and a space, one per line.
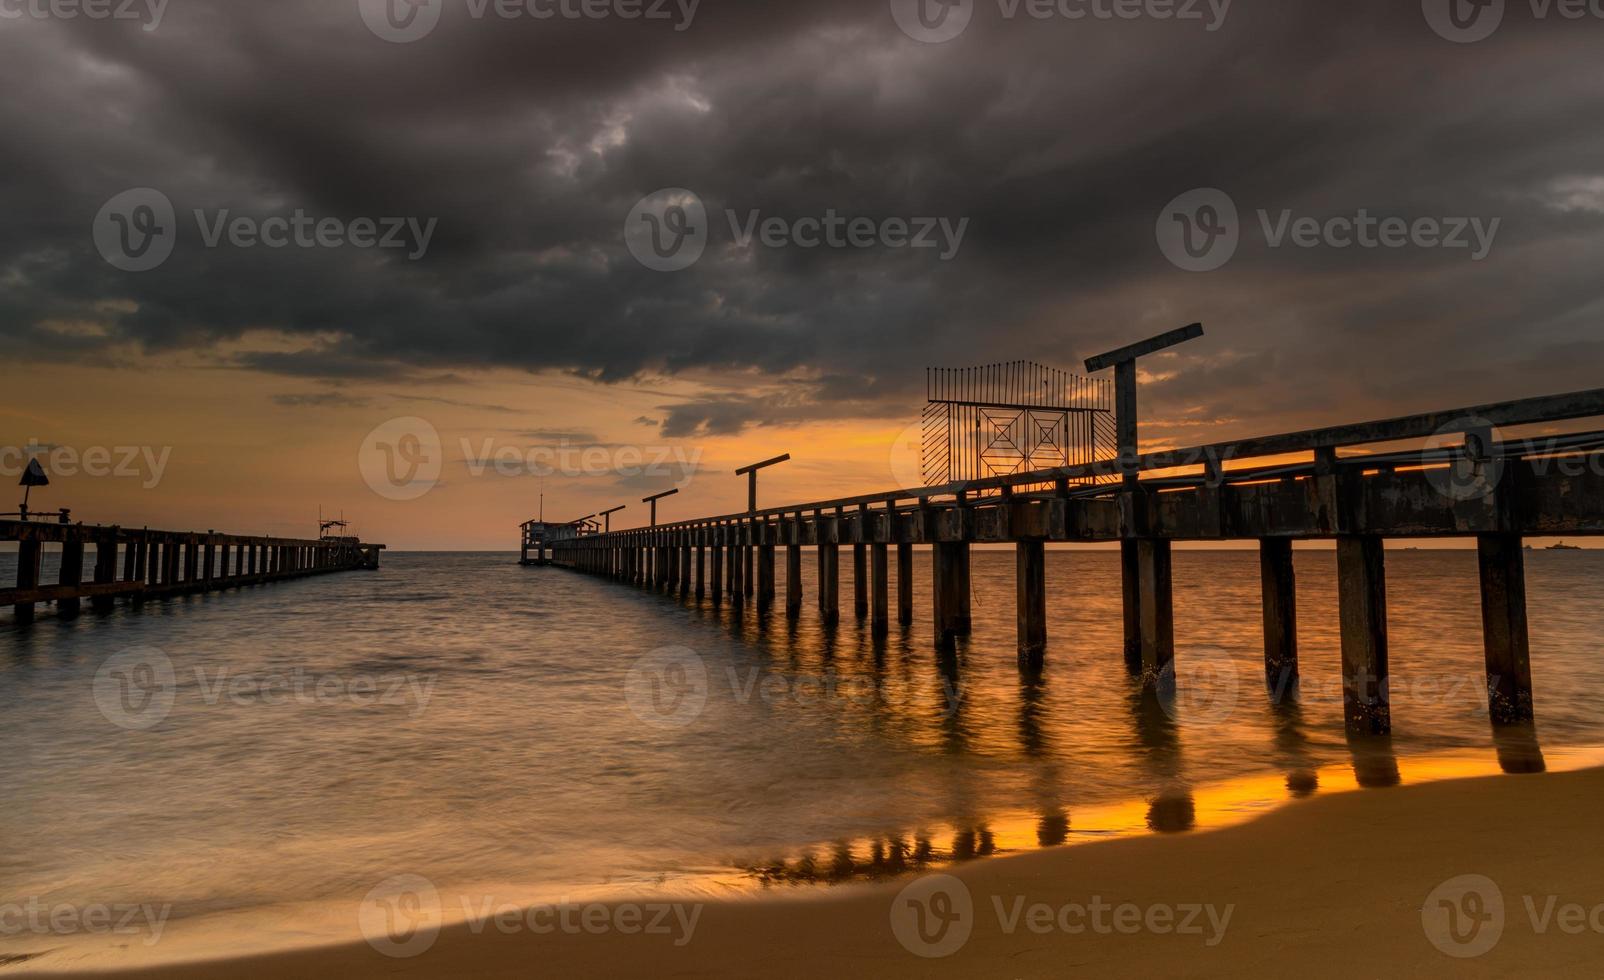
139, 563
1463, 482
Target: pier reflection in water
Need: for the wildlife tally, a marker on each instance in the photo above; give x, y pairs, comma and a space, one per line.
820, 754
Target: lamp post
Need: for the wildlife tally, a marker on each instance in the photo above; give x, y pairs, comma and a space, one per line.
764, 566
654, 499
750, 472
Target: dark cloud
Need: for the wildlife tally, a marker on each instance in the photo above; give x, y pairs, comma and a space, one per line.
1059, 141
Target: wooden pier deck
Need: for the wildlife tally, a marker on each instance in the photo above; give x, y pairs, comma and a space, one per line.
1462, 483
139, 563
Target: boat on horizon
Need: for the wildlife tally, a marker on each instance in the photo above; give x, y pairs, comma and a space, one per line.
1562, 546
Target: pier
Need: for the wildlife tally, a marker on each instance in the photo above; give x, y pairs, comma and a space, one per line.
1318, 484
140, 564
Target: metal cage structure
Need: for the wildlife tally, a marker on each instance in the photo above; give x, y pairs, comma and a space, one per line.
1012, 417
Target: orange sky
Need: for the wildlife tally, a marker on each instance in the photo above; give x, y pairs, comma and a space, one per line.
191, 445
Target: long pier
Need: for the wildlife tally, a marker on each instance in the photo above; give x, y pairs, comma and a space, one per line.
139, 564
1462, 483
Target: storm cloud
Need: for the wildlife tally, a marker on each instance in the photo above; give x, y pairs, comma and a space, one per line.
1059, 139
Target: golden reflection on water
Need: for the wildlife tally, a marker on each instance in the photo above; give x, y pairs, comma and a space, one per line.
1174, 810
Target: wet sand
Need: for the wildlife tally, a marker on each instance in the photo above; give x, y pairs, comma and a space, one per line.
1329, 886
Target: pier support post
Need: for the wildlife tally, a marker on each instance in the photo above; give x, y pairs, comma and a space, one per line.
684, 550
701, 567
716, 576
71, 573
950, 560
29, 556
905, 583
793, 579
1030, 581
105, 570
1157, 608
860, 577
765, 571
1278, 584
1362, 596
1131, 596
1504, 636
829, 582
880, 574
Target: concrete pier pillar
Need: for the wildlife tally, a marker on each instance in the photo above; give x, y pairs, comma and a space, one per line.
765, 572
829, 583
684, 578
701, 567
1157, 608
950, 562
1030, 584
71, 572
1362, 598
1504, 635
905, 584
880, 576
1278, 584
30, 554
793, 581
105, 570
1131, 594
860, 579
716, 571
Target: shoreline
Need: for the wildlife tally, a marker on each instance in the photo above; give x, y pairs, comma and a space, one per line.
1331, 884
